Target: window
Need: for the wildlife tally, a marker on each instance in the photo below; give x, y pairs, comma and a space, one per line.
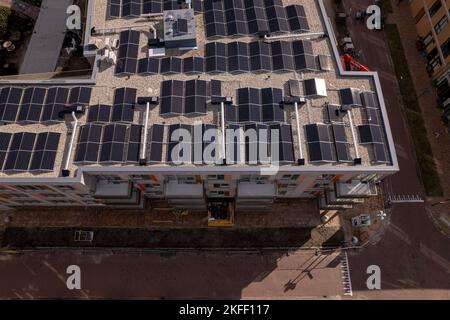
435, 7
441, 24
434, 64
446, 48
427, 41
419, 16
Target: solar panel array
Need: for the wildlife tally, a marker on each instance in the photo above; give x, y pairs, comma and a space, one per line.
123, 105
108, 143
257, 142
257, 106
327, 143
128, 52
246, 17
184, 97
36, 104
136, 8
27, 151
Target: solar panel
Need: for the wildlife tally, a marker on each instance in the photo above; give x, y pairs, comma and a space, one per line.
123, 106
196, 92
113, 143
350, 97
340, 139
32, 104
256, 17
172, 5
216, 57
10, 107
249, 105
171, 65
134, 143
373, 116
20, 151
231, 115
176, 138
235, 16
216, 88
238, 57
128, 52
156, 143
209, 142
370, 134
234, 142
5, 139
44, 153
315, 88
304, 58
320, 145
114, 8
79, 96
380, 153
256, 137
282, 58
297, 18
55, 102
333, 114
276, 16
148, 66
285, 144
260, 57
131, 8
197, 5
172, 93
272, 105
152, 7
88, 146
193, 65
99, 113
215, 25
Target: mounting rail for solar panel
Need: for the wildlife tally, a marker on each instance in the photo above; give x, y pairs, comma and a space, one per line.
306, 36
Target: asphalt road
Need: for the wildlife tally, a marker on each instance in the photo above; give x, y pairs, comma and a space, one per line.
413, 255
273, 275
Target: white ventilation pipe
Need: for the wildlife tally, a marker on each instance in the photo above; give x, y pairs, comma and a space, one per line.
306, 36
72, 139
144, 141
350, 118
222, 119
152, 27
299, 133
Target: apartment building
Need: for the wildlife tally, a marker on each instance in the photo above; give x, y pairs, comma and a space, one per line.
162, 66
432, 23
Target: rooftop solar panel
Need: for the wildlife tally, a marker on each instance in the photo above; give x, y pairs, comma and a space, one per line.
272, 105
238, 57
340, 139
152, 7
45, 150
297, 18
193, 65
260, 57
11, 106
131, 8
196, 95
320, 145
350, 97
183, 151
99, 113
304, 58
156, 143
171, 65
333, 114
216, 57
134, 143
249, 105
370, 134
55, 102
235, 16
128, 52
79, 96
256, 17
282, 58
148, 66
380, 153
88, 146
172, 93
20, 151
113, 143
123, 106
5, 139
215, 25
114, 8
276, 16
32, 105
284, 143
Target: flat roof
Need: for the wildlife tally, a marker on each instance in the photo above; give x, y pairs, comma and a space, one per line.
48, 35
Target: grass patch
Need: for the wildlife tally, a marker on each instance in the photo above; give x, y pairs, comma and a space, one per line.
413, 114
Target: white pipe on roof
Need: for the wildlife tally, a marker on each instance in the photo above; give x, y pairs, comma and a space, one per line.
222, 120
72, 139
350, 118
306, 36
299, 134
144, 142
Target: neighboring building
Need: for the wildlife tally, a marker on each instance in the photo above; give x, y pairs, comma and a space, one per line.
432, 23
86, 144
